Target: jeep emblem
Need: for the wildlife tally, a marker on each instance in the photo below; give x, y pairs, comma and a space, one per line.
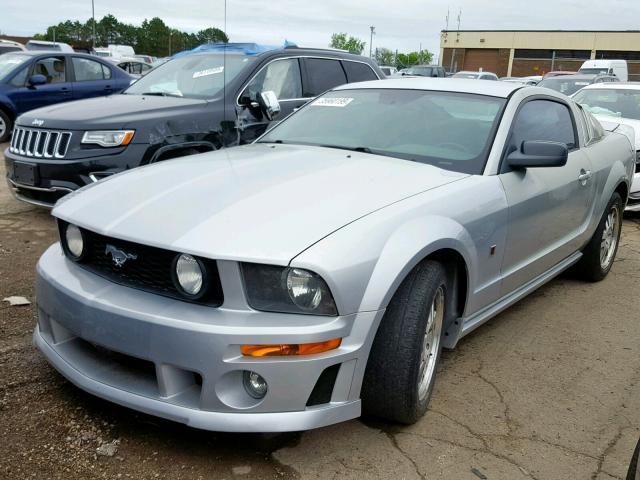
37, 122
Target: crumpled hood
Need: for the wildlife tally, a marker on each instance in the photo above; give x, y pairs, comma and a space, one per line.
112, 112
261, 203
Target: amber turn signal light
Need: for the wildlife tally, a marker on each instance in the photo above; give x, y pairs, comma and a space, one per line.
289, 348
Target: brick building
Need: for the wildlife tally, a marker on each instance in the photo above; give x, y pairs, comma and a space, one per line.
520, 53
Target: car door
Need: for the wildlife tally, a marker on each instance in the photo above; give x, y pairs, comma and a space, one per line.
281, 76
57, 89
91, 78
549, 208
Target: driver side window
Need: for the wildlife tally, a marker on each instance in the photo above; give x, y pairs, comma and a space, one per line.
53, 68
543, 120
280, 76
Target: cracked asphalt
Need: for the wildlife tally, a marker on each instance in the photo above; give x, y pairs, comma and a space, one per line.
550, 389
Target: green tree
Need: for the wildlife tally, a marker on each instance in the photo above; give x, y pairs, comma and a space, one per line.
384, 56
344, 42
414, 58
211, 35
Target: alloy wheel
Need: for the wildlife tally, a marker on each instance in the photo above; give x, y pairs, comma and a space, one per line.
431, 344
609, 241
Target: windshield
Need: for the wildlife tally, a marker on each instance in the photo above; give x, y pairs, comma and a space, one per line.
565, 84
449, 130
192, 76
10, 61
594, 71
614, 103
424, 71
466, 75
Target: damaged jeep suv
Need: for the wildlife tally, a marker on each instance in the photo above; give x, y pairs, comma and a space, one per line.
206, 99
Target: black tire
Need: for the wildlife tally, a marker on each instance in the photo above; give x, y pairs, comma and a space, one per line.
391, 379
590, 267
8, 127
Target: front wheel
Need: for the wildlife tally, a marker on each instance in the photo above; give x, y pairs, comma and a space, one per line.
5, 127
599, 254
401, 370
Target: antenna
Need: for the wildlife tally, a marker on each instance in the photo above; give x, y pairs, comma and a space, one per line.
224, 75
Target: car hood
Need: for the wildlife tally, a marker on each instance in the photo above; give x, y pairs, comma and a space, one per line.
114, 111
609, 123
259, 203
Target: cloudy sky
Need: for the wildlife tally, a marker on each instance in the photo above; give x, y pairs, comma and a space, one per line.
400, 24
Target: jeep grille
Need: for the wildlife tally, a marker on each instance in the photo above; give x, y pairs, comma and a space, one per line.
38, 143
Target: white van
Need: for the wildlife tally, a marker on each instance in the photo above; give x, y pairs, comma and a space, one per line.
608, 67
115, 51
51, 46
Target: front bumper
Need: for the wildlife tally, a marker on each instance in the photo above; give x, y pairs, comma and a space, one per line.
633, 202
182, 361
56, 177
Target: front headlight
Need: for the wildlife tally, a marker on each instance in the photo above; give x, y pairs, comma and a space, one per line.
289, 290
108, 138
189, 275
74, 241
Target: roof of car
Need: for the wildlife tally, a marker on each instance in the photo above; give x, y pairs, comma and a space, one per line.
462, 85
615, 86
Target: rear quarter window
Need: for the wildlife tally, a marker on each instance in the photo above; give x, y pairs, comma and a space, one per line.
358, 72
322, 75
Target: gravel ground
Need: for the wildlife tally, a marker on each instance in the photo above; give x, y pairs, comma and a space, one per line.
550, 389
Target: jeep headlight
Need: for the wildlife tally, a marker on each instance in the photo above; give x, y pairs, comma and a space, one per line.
108, 138
289, 290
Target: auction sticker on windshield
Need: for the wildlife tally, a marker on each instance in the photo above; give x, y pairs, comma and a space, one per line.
332, 102
209, 71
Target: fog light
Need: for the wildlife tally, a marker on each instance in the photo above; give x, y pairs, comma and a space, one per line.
254, 384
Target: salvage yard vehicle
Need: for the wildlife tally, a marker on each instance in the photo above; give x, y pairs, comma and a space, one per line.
196, 102
318, 272
617, 104
618, 68
570, 84
30, 80
476, 75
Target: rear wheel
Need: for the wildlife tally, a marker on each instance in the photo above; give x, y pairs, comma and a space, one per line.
401, 370
5, 126
600, 252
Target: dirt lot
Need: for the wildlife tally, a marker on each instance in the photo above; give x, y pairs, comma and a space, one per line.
548, 390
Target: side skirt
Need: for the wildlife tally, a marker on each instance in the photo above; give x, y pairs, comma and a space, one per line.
469, 324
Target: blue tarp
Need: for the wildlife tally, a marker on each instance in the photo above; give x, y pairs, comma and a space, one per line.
246, 48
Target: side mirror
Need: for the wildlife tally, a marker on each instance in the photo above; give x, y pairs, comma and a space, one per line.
37, 80
537, 153
269, 104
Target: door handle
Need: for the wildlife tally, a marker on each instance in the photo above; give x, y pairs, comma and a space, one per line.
584, 176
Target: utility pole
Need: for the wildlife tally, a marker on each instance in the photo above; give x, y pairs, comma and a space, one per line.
373, 30
93, 25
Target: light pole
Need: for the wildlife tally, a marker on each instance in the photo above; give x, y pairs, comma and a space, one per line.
93, 25
373, 30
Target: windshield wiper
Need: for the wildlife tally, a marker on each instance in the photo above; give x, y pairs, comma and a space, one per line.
161, 94
351, 149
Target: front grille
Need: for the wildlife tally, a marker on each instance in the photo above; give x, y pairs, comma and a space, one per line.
151, 270
39, 143
638, 161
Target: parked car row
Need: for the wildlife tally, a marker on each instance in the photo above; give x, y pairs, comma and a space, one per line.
194, 103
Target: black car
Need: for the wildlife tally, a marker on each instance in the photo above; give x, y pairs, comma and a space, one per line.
191, 104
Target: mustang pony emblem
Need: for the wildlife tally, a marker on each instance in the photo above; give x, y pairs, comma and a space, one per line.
119, 257
38, 122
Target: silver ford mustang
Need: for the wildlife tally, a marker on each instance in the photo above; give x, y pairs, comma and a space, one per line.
318, 273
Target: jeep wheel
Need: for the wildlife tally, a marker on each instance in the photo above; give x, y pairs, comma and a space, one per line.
401, 370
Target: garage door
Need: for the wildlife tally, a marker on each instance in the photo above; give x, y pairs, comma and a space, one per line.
475, 59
